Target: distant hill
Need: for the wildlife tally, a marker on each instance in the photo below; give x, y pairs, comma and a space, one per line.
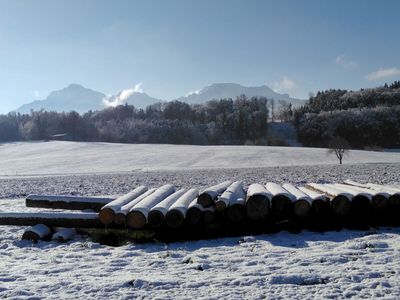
232, 90
73, 97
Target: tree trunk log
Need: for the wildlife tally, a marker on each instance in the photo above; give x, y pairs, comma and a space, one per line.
67, 202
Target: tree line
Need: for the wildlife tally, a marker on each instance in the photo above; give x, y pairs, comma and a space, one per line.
217, 122
365, 118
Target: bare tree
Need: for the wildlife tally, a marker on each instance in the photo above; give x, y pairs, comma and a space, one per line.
340, 147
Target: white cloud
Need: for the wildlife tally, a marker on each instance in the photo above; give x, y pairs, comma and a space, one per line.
383, 73
192, 93
121, 97
344, 62
284, 85
36, 94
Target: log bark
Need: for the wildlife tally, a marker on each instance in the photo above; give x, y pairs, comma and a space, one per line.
258, 202
37, 232
233, 195
177, 212
68, 220
108, 211
209, 195
120, 216
281, 203
67, 202
137, 216
302, 203
158, 213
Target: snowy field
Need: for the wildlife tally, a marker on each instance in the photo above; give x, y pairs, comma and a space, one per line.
345, 264
40, 158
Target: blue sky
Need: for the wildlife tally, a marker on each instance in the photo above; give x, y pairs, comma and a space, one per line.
174, 47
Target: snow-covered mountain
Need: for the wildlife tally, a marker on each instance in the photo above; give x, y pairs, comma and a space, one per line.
232, 90
81, 99
78, 98
73, 97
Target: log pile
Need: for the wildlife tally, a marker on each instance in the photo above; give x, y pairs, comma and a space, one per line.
228, 205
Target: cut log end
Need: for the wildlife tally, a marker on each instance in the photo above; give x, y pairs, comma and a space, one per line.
361, 206
320, 208
220, 206
341, 206
257, 207
379, 203
193, 216
120, 219
236, 212
302, 209
136, 220
31, 236
205, 200
394, 201
174, 218
281, 207
106, 216
156, 218
208, 216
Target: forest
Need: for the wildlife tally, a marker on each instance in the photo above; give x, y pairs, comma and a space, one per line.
227, 121
368, 118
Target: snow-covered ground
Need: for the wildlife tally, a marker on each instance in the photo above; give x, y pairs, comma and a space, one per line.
345, 264
80, 157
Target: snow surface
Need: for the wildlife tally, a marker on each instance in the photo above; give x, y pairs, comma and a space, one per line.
345, 264
60, 157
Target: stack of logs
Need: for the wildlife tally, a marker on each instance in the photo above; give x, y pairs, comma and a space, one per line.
228, 202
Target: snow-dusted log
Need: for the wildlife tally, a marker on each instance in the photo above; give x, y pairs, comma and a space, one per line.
108, 211
361, 204
37, 232
302, 203
67, 202
53, 219
137, 216
234, 195
158, 212
208, 215
209, 195
258, 201
320, 203
177, 211
394, 199
379, 199
282, 201
341, 200
64, 234
120, 216
194, 213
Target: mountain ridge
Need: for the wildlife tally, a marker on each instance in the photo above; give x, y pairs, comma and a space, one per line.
81, 99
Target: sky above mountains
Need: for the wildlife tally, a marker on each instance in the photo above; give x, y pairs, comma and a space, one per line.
171, 48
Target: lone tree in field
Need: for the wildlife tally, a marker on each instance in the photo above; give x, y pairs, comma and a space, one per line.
340, 147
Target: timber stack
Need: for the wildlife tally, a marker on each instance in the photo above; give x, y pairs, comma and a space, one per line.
229, 204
